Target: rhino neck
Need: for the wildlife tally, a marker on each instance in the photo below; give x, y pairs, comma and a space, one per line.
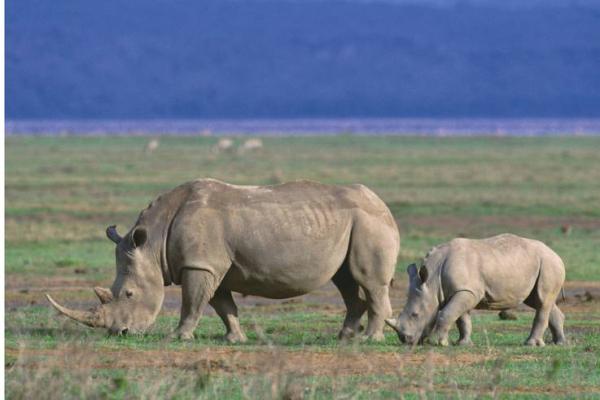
435, 261
157, 218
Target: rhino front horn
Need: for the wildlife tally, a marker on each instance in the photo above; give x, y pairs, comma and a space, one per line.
111, 233
95, 319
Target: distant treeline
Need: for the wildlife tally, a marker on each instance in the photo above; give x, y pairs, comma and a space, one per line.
193, 59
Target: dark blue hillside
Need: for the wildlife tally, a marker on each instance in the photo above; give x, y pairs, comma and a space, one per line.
193, 59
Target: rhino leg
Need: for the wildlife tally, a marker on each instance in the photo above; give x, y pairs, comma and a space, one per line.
557, 318
197, 288
463, 323
540, 323
543, 299
355, 306
379, 308
225, 307
460, 303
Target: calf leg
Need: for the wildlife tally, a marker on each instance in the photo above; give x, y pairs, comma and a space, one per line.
463, 323
460, 303
355, 306
225, 307
557, 318
540, 323
197, 288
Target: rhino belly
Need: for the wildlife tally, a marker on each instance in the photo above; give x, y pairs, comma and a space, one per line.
510, 286
283, 269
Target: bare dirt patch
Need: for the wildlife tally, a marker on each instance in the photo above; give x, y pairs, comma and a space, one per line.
225, 361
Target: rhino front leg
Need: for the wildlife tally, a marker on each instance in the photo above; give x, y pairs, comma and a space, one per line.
225, 307
197, 288
460, 303
464, 329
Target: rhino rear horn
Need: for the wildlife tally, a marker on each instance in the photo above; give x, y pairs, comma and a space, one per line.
105, 295
95, 319
111, 233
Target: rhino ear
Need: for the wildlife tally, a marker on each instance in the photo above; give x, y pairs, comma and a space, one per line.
139, 236
423, 274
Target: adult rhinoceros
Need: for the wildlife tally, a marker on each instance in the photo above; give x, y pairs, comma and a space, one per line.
280, 241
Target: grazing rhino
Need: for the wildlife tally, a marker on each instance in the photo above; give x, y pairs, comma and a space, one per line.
279, 241
496, 273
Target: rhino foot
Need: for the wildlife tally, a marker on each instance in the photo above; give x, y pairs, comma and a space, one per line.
464, 342
374, 337
177, 335
437, 341
348, 333
560, 342
232, 337
535, 342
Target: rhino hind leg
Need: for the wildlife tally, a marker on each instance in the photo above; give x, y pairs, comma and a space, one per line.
379, 309
371, 260
464, 325
226, 308
543, 299
355, 306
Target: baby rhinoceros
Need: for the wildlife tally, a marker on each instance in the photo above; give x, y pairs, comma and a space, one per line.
496, 273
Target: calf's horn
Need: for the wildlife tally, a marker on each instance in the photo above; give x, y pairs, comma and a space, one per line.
393, 323
95, 319
111, 233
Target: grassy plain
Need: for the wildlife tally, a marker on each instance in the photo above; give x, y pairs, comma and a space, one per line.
61, 193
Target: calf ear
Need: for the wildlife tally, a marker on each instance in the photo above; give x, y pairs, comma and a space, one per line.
139, 236
423, 274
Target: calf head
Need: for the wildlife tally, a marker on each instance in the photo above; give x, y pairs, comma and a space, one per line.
418, 317
136, 296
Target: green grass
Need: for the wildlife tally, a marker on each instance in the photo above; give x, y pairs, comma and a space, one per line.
61, 193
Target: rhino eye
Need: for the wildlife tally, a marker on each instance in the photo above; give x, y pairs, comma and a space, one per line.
128, 293
414, 315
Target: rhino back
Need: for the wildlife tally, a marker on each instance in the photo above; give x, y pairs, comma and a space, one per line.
503, 269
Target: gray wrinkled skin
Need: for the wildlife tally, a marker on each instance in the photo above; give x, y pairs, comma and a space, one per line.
276, 241
496, 273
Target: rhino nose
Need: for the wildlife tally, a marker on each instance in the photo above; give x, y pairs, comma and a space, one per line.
401, 337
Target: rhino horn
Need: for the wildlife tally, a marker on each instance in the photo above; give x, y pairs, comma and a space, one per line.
95, 319
105, 295
393, 323
111, 233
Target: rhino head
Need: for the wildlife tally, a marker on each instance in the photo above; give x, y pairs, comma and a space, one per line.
418, 317
136, 296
